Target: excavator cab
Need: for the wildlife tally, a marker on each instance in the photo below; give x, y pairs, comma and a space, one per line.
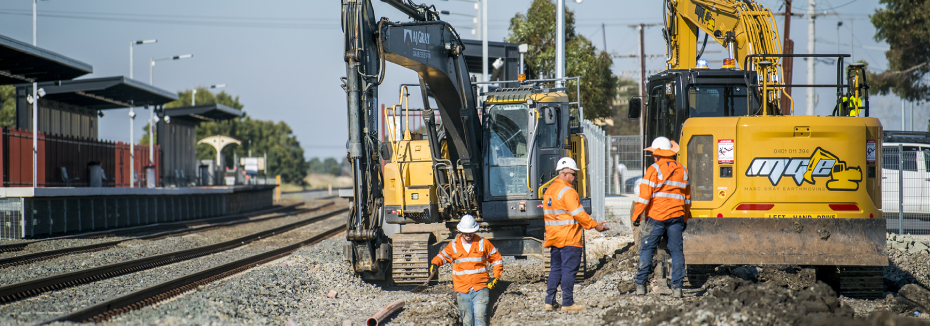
526, 132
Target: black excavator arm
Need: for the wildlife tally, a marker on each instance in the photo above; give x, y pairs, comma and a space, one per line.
433, 49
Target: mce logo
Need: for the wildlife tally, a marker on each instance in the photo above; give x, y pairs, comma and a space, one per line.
804, 169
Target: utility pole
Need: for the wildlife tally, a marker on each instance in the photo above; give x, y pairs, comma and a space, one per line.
484, 43
642, 61
838, 25
604, 33
559, 42
810, 61
788, 62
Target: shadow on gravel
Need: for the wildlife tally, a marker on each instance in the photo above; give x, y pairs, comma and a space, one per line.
495, 296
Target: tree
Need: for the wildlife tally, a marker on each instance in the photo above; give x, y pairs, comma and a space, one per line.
7, 106
285, 156
905, 26
536, 28
620, 124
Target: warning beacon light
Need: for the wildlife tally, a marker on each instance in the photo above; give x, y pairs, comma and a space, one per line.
702, 63
729, 63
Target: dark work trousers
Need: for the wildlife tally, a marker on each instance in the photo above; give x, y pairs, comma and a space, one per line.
652, 233
562, 269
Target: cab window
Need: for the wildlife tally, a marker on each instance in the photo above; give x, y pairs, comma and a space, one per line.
717, 101
547, 136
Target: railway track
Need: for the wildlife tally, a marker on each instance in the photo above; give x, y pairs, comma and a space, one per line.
166, 290
151, 227
34, 287
49, 254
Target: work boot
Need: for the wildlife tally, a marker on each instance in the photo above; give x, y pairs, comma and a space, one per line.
547, 307
640, 289
676, 293
573, 308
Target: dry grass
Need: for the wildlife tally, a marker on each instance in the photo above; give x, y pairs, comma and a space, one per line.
322, 181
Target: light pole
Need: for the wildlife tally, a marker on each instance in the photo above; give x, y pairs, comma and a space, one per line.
482, 15
34, 100
152, 64
34, 3
131, 44
474, 19
132, 149
194, 94
477, 16
152, 113
560, 42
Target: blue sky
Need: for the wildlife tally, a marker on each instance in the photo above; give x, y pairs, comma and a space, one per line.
283, 58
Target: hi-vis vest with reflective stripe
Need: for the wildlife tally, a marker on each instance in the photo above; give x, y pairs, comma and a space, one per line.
664, 192
470, 268
564, 216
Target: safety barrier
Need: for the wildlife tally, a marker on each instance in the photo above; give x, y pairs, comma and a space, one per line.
597, 167
906, 189
624, 163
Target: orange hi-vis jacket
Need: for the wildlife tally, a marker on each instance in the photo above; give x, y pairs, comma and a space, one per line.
470, 268
564, 216
665, 191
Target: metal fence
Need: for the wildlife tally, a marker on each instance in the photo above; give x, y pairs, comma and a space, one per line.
597, 167
624, 163
906, 189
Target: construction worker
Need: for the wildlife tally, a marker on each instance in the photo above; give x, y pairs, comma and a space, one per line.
471, 256
564, 218
665, 197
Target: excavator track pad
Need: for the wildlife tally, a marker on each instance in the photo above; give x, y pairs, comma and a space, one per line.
411, 257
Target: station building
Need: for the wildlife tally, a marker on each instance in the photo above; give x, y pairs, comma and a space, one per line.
83, 183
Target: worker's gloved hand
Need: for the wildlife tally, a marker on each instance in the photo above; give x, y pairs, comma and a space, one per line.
492, 283
685, 227
636, 223
433, 269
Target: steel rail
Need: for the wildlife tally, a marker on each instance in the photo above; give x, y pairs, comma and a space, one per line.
148, 227
49, 254
34, 287
136, 300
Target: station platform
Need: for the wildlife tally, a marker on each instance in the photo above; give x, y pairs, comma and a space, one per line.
27, 212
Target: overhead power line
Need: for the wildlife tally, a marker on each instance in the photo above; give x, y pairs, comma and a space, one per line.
216, 21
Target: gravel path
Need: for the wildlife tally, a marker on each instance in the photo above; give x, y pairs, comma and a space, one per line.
59, 302
135, 249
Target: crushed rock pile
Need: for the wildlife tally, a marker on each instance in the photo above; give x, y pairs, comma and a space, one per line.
906, 243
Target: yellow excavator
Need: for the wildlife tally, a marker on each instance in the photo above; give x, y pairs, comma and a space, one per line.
768, 187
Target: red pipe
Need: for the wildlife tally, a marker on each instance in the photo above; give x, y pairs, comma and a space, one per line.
384, 313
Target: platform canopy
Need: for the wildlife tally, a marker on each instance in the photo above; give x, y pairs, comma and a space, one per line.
23, 63
508, 53
106, 93
203, 113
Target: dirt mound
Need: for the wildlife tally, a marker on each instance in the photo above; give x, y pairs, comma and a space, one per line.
906, 268
429, 311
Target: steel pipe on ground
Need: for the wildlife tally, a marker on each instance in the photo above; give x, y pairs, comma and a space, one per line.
384, 313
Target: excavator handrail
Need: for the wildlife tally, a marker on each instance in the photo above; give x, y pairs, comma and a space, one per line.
839, 73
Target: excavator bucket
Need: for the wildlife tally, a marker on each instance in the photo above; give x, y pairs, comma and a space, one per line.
783, 241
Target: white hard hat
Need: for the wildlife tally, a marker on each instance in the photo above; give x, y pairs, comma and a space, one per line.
661, 143
468, 224
662, 146
566, 162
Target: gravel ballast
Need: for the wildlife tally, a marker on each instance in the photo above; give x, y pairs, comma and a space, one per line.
294, 289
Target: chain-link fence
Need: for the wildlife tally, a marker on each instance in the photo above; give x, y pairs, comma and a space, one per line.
906, 188
624, 163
